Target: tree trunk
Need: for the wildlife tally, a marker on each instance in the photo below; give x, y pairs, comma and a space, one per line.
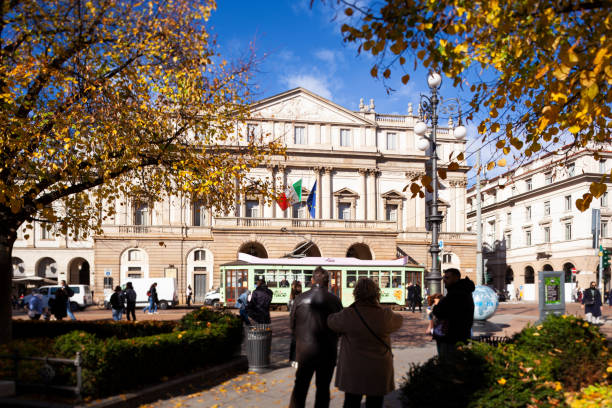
8, 234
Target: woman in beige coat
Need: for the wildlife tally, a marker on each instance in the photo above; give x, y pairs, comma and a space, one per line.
365, 364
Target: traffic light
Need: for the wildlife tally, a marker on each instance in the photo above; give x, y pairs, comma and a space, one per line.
605, 258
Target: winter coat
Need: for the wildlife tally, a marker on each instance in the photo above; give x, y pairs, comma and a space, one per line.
59, 305
117, 301
591, 299
457, 310
365, 365
315, 342
259, 306
130, 295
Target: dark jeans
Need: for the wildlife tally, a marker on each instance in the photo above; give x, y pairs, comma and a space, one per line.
324, 371
130, 308
189, 301
445, 349
354, 401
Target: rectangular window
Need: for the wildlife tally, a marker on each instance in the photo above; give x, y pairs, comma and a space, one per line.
45, 232
391, 141
345, 137
546, 207
604, 199
252, 208
141, 213
108, 282
198, 214
548, 178
299, 136
568, 231
252, 130
300, 210
509, 218
546, 234
602, 166
491, 234
528, 238
604, 229
528, 213
568, 203
344, 211
513, 190
529, 184
134, 272
199, 255
508, 241
571, 170
391, 212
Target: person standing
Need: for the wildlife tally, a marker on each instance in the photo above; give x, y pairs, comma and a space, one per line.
418, 297
410, 297
591, 299
365, 364
58, 304
454, 313
316, 344
296, 290
258, 308
130, 301
188, 293
69, 293
241, 303
117, 301
35, 305
151, 308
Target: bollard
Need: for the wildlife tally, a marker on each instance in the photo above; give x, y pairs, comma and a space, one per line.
259, 344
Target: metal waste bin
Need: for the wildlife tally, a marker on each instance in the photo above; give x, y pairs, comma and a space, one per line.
259, 343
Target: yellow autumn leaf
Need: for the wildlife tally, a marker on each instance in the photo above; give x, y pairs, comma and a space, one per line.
501, 162
490, 166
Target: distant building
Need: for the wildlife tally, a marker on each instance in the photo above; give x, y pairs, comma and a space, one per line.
360, 160
530, 221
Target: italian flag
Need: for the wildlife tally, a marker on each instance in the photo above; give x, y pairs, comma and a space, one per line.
291, 195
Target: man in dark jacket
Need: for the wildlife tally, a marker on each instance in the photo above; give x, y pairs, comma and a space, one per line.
455, 311
591, 299
258, 307
316, 345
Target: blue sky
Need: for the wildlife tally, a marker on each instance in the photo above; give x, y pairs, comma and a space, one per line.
302, 46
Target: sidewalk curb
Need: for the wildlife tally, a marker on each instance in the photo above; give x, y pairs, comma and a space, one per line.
238, 364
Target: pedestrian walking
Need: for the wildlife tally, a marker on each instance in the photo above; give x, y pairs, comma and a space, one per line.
296, 290
454, 313
58, 304
130, 301
69, 293
188, 293
365, 364
117, 302
241, 304
258, 308
316, 344
151, 308
35, 305
418, 296
591, 299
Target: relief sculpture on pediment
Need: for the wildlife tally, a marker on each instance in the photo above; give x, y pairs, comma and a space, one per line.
305, 110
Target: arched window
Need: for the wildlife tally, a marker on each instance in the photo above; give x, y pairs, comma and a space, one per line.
135, 255
199, 255
529, 275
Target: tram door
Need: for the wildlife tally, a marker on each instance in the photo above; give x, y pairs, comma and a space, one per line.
234, 284
335, 283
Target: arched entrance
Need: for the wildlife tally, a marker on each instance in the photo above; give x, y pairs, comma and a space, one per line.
307, 248
18, 267
509, 275
567, 269
47, 268
359, 251
529, 275
254, 249
548, 267
78, 272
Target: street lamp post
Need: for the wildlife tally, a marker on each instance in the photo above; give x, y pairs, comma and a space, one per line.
429, 110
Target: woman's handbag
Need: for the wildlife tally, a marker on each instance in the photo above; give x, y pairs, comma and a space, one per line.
440, 328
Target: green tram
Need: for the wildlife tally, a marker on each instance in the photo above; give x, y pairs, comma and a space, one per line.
279, 273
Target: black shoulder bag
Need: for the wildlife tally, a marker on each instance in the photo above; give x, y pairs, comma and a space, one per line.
372, 331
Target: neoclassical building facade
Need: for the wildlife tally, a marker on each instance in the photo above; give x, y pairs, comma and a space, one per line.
361, 162
530, 221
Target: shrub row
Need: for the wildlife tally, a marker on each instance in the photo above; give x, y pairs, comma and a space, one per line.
28, 329
535, 369
114, 362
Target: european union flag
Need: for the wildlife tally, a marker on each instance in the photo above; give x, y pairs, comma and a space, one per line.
311, 202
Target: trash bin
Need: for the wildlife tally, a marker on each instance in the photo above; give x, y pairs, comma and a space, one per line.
259, 343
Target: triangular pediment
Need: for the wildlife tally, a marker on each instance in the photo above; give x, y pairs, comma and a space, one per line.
392, 194
346, 192
300, 104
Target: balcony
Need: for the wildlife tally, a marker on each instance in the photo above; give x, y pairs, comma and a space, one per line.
156, 230
304, 223
543, 250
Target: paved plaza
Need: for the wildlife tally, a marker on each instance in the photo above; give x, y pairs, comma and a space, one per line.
410, 345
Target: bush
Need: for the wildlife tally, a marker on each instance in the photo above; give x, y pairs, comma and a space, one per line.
593, 396
199, 318
28, 329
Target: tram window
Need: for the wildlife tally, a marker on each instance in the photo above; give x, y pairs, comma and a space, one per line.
374, 277
362, 274
351, 278
384, 279
283, 279
307, 279
271, 278
397, 279
296, 276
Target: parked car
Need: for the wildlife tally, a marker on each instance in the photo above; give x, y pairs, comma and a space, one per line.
80, 300
212, 298
166, 291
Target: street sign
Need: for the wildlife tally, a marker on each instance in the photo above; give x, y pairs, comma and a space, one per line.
441, 244
107, 272
574, 271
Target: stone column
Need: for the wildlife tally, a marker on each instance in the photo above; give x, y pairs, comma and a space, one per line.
319, 193
371, 195
400, 215
327, 196
362, 214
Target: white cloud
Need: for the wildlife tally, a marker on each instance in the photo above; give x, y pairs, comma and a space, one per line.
318, 85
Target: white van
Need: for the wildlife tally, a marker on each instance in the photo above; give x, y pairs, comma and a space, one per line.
166, 291
80, 300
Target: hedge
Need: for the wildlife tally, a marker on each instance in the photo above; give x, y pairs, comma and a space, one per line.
28, 329
540, 367
114, 364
